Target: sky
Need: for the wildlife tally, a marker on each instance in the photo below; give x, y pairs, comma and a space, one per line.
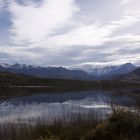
69, 32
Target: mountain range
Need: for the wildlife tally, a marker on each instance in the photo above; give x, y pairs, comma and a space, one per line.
45, 72
132, 76
79, 72
103, 70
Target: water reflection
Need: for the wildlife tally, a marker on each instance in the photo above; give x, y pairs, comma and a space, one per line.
50, 106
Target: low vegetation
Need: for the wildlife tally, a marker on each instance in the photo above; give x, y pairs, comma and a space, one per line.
11, 79
119, 126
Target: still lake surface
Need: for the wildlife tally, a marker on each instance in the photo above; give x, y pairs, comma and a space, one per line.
53, 106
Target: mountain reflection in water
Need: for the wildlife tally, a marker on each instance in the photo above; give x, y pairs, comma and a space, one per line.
50, 106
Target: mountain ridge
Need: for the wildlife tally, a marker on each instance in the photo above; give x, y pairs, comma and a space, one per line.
90, 73
45, 72
132, 76
104, 70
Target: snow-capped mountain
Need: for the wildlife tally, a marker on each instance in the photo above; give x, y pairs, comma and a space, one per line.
79, 72
132, 76
45, 72
105, 70
4, 65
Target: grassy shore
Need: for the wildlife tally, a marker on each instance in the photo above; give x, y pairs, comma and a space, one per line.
17, 85
119, 126
12, 80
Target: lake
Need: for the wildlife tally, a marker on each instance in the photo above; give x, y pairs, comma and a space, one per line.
48, 107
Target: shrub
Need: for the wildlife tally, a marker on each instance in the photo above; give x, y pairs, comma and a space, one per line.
120, 126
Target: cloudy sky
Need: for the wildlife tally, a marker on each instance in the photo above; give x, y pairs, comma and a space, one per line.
70, 32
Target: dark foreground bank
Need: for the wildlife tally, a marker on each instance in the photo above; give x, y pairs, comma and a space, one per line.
119, 126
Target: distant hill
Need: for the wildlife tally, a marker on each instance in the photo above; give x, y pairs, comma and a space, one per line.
46, 72
132, 76
7, 79
104, 71
80, 72
11, 79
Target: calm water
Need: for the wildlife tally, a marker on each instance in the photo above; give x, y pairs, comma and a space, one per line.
50, 106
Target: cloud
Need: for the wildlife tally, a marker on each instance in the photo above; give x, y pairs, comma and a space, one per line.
14, 52
125, 2
2, 4
67, 32
32, 22
92, 35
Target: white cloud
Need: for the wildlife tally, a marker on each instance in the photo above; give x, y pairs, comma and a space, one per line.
19, 52
38, 23
125, 1
2, 3
32, 23
91, 35
54, 30
84, 35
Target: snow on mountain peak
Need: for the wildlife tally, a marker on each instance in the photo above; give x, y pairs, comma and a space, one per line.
99, 69
4, 65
